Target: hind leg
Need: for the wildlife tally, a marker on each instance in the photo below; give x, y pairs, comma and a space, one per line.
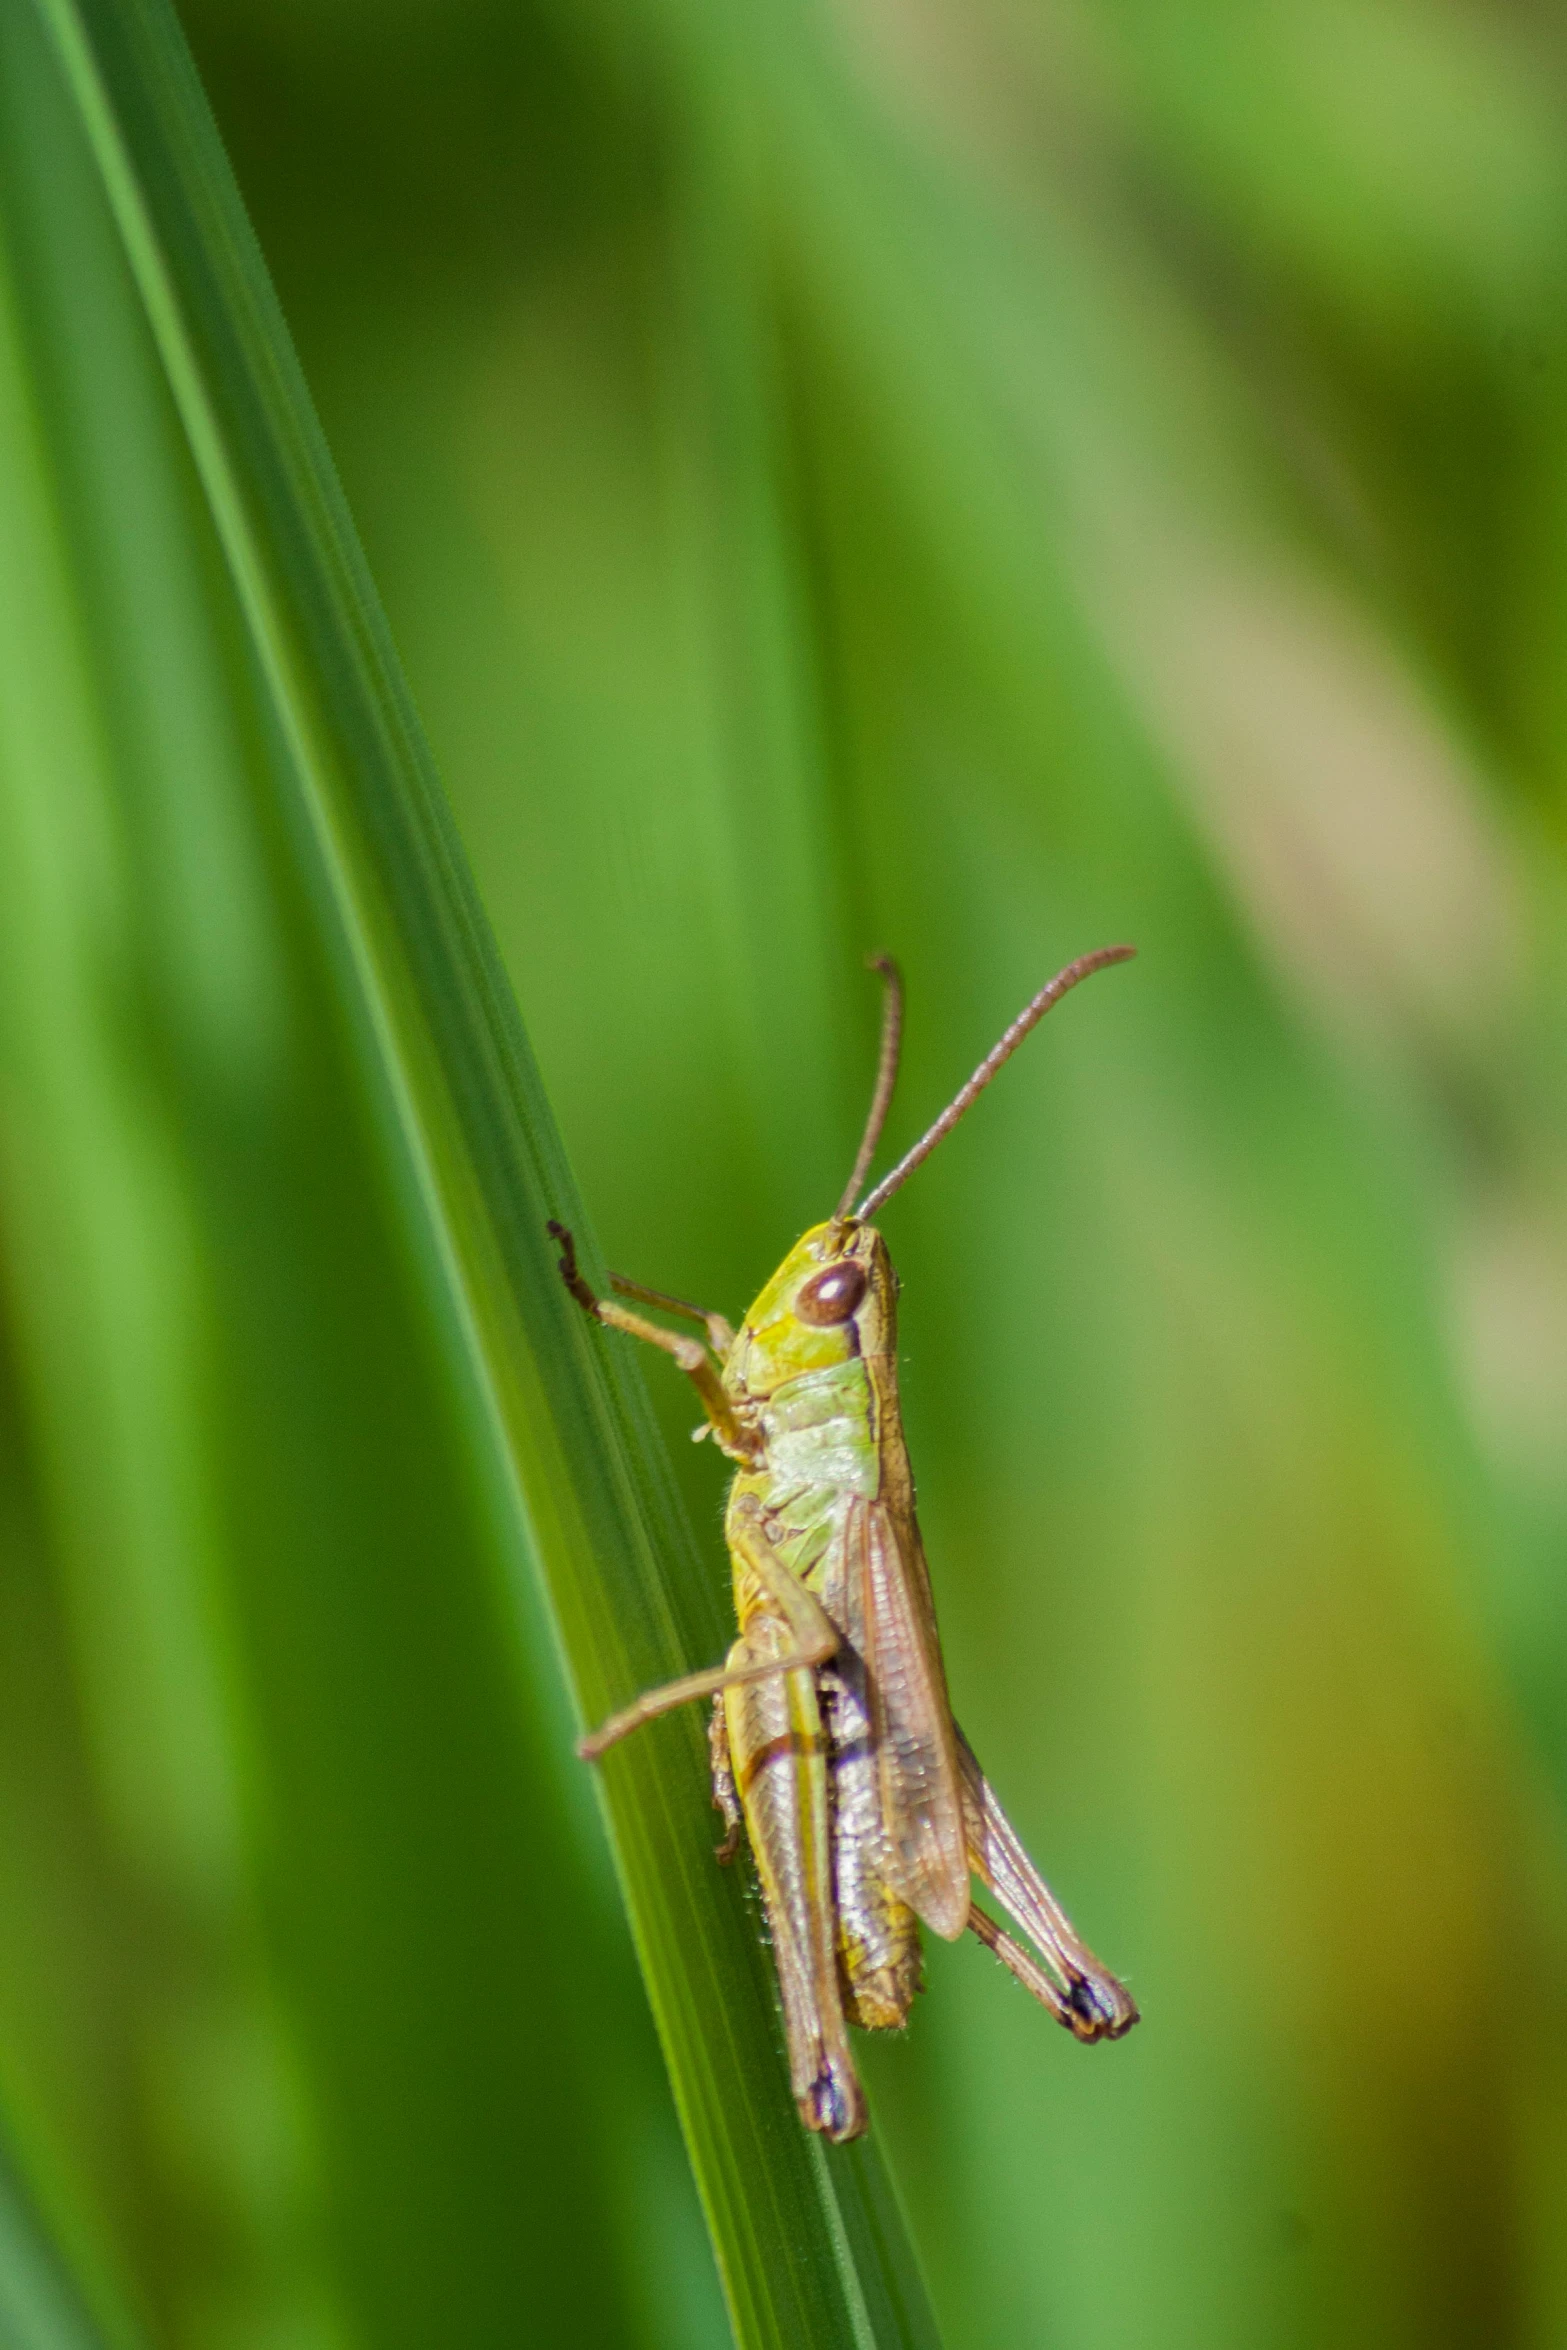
780, 1767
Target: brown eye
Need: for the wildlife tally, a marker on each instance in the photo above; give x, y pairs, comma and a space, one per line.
831, 1295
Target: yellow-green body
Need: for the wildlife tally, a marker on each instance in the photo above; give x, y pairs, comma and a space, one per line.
807, 1751
833, 1741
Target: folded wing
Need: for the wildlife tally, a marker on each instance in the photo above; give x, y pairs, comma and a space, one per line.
916, 1744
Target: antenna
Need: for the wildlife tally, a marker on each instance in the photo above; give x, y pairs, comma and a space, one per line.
886, 1077
1031, 1014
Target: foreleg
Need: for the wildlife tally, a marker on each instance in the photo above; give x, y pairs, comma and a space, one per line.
735, 1438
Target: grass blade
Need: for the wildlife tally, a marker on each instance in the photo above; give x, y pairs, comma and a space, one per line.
809, 2247
41, 2304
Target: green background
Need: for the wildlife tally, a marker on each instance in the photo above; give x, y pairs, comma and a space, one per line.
974, 480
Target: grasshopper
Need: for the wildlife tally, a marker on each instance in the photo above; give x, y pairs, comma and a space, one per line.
832, 1738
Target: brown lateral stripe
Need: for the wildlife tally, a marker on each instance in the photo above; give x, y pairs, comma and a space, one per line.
775, 1751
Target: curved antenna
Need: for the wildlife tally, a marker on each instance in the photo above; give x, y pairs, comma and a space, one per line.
886, 1077
1031, 1014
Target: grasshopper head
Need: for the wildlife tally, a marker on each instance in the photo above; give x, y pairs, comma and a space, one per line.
832, 1297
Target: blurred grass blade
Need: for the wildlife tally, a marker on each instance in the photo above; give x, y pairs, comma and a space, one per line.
253, 1642
40, 2306
810, 2247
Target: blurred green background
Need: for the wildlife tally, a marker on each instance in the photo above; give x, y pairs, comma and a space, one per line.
977, 481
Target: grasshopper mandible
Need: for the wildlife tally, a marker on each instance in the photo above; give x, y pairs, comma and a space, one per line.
832, 1737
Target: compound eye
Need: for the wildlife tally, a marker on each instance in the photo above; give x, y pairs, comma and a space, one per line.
831, 1295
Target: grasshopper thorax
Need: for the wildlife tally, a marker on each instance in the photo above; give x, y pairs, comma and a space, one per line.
833, 1297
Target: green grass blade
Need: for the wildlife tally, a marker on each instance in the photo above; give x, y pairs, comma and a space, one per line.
809, 2247
255, 1652
41, 2305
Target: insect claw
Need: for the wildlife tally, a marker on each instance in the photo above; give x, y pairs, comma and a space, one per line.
567, 1264
1105, 2019
835, 2106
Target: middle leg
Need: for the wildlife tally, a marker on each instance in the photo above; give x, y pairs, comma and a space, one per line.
726, 1796
815, 1638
